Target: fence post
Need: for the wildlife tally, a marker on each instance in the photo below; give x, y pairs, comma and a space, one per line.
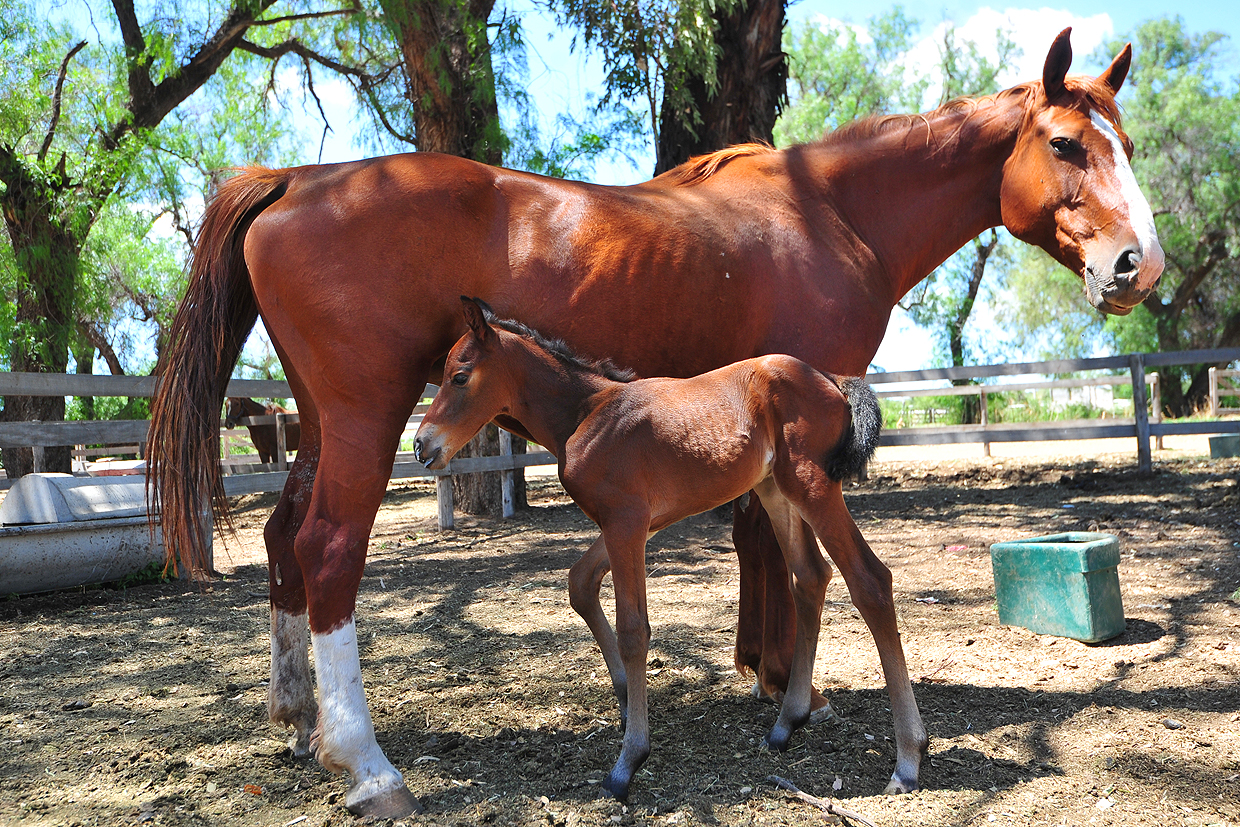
507, 485
443, 499
1156, 406
1136, 365
36, 458
1213, 393
985, 422
282, 455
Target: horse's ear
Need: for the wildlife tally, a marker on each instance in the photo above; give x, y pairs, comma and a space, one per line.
1118, 70
1058, 60
476, 319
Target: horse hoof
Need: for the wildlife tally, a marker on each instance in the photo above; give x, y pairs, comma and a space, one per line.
822, 713
397, 802
299, 745
758, 695
777, 739
615, 788
899, 786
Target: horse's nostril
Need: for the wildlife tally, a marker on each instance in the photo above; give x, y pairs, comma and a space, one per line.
417, 450
1128, 263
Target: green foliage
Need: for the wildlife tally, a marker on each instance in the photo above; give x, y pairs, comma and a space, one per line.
1183, 114
840, 73
1040, 304
649, 48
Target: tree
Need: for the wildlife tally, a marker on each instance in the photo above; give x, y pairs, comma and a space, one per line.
75, 119
841, 73
739, 99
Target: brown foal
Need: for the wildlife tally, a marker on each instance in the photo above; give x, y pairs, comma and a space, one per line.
637, 456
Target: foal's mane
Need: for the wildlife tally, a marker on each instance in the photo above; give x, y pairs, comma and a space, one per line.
558, 348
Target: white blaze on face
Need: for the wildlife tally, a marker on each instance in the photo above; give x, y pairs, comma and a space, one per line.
1139, 213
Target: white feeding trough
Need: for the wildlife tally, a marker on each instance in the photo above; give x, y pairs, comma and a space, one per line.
58, 531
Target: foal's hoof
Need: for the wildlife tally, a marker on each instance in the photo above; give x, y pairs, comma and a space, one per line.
822, 713
615, 788
899, 786
397, 802
777, 739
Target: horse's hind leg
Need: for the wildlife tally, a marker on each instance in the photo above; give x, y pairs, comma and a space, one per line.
290, 693
808, 575
585, 579
766, 618
869, 585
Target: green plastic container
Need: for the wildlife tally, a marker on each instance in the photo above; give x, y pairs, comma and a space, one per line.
1063, 584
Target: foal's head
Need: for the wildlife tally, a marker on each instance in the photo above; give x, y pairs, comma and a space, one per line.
1068, 187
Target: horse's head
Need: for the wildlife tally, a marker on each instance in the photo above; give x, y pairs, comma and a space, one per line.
1069, 189
234, 410
472, 394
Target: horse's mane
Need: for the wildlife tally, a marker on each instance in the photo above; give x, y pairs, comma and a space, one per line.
1097, 95
698, 169
558, 348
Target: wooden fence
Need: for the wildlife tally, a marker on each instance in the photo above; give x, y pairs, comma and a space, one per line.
1142, 426
1223, 383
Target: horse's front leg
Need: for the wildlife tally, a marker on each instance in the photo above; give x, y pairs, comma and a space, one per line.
585, 579
290, 692
331, 548
626, 548
809, 575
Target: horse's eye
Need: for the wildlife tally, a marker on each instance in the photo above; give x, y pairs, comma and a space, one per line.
460, 378
1064, 146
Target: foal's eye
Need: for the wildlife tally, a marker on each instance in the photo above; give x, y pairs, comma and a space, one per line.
1064, 146
460, 378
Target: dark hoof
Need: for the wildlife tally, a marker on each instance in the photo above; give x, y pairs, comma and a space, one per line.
778, 738
395, 803
613, 788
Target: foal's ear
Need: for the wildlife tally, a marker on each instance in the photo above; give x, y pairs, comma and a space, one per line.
1118, 70
476, 319
1058, 60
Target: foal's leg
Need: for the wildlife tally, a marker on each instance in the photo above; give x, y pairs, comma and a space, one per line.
869, 585
626, 548
809, 575
766, 621
585, 579
354, 466
290, 693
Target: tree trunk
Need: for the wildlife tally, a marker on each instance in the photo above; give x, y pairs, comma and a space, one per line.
47, 255
970, 413
451, 86
752, 73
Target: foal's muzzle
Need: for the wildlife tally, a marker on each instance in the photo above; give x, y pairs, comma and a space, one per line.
426, 453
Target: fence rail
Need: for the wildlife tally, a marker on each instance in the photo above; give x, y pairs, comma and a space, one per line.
1141, 426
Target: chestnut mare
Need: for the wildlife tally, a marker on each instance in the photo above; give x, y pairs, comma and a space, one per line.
640, 455
238, 408
357, 269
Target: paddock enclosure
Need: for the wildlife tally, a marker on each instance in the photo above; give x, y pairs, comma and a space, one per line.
148, 704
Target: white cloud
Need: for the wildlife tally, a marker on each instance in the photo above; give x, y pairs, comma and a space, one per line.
1032, 30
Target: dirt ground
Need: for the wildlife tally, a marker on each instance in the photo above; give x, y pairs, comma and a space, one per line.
147, 705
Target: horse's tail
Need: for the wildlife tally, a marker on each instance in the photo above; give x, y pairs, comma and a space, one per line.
209, 330
855, 451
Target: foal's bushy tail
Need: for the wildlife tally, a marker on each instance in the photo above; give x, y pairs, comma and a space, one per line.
850, 458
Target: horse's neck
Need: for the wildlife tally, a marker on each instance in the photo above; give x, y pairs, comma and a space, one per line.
553, 400
916, 193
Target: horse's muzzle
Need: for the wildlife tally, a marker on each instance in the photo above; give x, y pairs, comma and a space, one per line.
425, 454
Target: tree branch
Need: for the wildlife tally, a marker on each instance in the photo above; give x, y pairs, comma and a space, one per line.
295, 46
57, 97
353, 9
99, 342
